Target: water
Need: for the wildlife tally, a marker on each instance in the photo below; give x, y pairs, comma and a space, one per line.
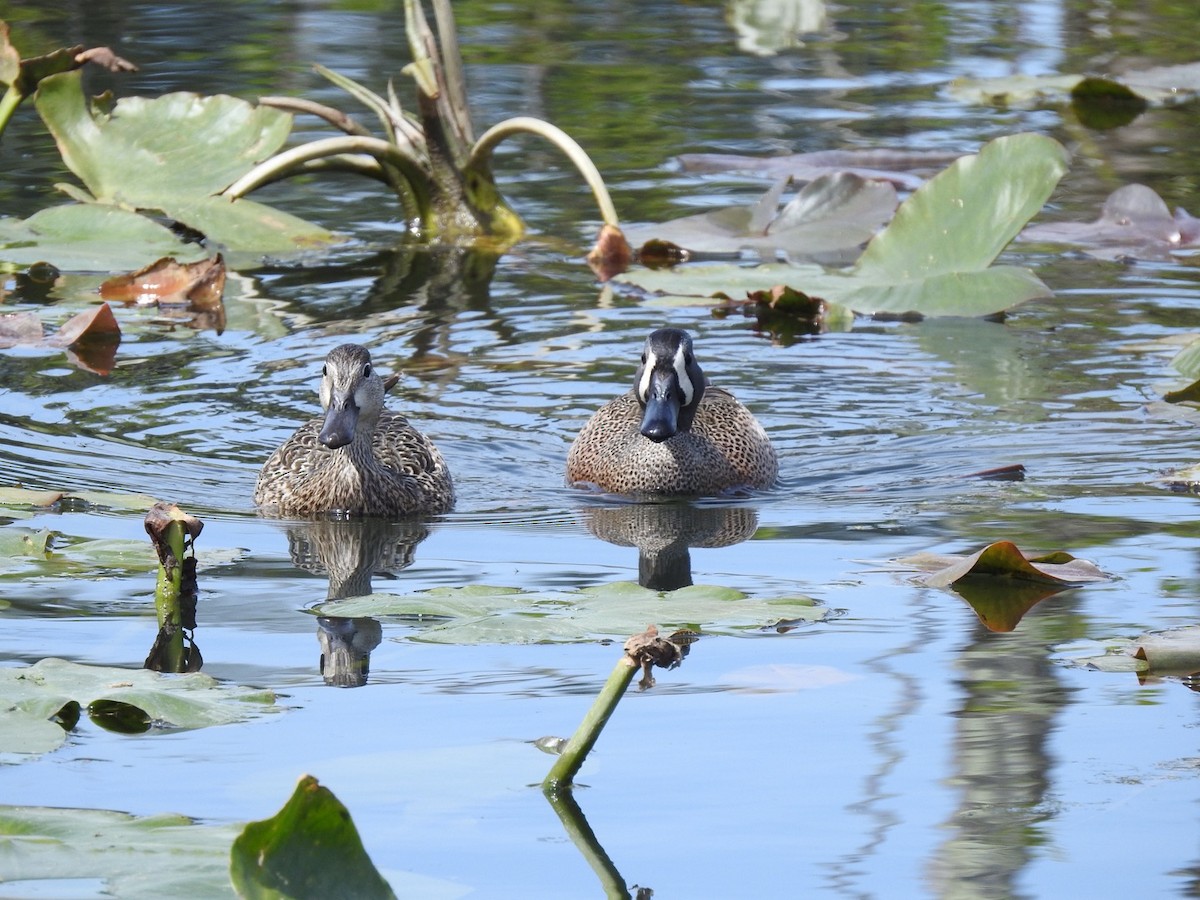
896, 746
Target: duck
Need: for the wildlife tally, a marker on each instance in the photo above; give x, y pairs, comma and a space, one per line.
359, 458
672, 434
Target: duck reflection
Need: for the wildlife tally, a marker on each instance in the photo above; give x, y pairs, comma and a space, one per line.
351, 553
664, 533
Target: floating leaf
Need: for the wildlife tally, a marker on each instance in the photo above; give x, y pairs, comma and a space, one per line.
1004, 559
1171, 653
833, 213
935, 256
167, 281
33, 694
310, 848
482, 614
1134, 223
173, 154
90, 237
895, 166
1160, 86
133, 857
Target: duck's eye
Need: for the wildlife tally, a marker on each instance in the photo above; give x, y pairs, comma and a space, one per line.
643, 359
687, 359
367, 371
324, 371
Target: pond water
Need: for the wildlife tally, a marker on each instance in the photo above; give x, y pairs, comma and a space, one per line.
894, 746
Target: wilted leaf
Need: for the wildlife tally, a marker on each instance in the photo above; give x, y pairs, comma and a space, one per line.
935, 256
33, 694
1004, 560
94, 324
1175, 652
165, 281
310, 848
833, 213
1134, 223
482, 614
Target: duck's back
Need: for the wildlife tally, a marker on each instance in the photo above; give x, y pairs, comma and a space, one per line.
725, 448
406, 474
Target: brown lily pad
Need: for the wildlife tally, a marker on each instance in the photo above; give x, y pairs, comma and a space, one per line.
198, 285
1004, 559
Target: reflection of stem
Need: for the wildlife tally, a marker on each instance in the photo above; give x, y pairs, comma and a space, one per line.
416, 200
563, 772
483, 148
8, 105
582, 836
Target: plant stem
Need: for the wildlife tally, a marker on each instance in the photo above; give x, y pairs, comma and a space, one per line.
416, 200
482, 151
562, 773
167, 595
8, 105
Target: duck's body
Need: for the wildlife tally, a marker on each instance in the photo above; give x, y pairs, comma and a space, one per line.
357, 459
672, 434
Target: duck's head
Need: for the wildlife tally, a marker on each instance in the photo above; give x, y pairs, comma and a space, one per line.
669, 384
351, 393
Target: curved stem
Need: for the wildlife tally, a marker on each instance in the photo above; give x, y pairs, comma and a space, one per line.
488, 141
282, 164
12, 99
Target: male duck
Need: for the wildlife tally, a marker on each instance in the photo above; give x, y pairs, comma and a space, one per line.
672, 434
359, 458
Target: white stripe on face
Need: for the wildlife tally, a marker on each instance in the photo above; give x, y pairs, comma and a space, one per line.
647, 374
685, 383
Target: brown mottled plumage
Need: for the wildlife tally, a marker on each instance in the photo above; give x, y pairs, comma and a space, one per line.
359, 458
672, 434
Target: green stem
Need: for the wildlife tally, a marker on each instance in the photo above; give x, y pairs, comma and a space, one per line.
562, 773
167, 593
482, 151
417, 203
8, 105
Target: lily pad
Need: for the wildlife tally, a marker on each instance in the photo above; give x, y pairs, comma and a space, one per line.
1003, 559
895, 166
90, 237
934, 258
1134, 223
173, 154
44, 850
310, 848
1160, 86
481, 614
833, 213
34, 694
1175, 652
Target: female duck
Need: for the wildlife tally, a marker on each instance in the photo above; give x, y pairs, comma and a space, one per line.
359, 459
672, 434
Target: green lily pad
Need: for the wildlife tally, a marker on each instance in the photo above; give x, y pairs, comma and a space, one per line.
146, 149
488, 615
173, 154
1160, 86
135, 857
90, 237
310, 848
33, 695
934, 258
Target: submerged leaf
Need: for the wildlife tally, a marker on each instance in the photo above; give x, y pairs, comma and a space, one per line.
310, 848
894, 166
1160, 86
